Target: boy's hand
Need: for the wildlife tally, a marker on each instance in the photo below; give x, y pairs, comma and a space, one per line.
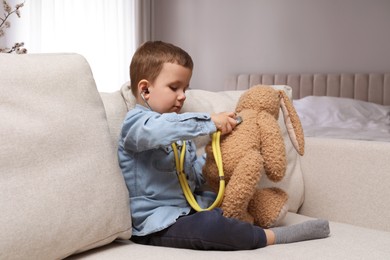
225, 121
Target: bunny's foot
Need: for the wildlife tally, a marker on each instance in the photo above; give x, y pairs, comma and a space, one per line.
268, 206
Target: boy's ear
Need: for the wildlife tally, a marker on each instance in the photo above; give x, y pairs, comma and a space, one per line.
143, 87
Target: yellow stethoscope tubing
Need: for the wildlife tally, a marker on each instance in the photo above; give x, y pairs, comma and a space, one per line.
183, 179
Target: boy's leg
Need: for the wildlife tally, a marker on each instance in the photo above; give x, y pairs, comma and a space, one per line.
209, 230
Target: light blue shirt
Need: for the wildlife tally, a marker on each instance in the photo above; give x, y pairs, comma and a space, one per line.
148, 165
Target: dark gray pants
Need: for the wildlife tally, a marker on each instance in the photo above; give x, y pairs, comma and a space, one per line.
207, 230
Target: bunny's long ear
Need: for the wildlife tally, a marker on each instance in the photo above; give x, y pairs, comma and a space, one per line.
293, 123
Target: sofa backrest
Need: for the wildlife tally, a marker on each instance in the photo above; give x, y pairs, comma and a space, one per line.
61, 188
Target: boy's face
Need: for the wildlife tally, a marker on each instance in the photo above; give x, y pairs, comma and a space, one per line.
167, 91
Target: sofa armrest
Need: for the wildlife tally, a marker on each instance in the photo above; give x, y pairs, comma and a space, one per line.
347, 181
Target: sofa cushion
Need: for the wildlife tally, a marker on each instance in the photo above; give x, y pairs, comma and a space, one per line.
213, 102
61, 188
345, 242
116, 110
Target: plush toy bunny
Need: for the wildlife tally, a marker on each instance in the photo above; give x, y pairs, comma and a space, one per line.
255, 147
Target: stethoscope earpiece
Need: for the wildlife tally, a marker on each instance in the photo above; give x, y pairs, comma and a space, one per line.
146, 91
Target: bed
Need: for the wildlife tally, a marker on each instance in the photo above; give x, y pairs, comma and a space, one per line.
347, 106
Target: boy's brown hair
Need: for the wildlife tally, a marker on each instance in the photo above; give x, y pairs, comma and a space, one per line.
149, 58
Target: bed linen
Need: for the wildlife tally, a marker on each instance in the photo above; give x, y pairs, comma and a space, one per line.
345, 118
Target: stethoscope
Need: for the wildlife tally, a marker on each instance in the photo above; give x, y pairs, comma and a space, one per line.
179, 163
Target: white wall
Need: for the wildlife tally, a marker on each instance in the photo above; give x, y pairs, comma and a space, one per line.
226, 37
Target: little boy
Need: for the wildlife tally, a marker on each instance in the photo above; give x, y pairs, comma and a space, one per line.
160, 74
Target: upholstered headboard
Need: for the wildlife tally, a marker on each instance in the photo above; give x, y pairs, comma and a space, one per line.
368, 87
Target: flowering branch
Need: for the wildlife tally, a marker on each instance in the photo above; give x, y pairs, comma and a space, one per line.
4, 24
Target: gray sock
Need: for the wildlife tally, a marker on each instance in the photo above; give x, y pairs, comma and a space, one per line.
312, 229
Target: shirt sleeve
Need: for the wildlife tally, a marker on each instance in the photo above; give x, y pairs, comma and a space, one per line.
144, 129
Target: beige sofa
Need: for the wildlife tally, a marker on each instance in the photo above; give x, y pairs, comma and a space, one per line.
62, 193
